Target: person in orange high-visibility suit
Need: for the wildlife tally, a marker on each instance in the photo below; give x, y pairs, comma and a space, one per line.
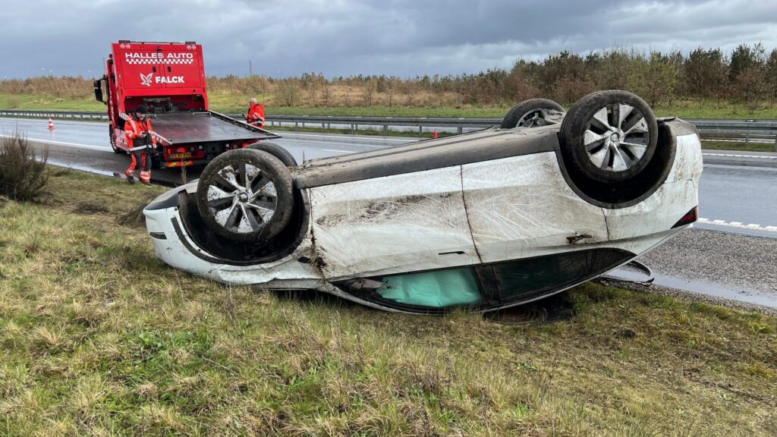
255, 115
140, 138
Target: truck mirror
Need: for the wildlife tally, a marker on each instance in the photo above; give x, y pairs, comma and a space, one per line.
98, 92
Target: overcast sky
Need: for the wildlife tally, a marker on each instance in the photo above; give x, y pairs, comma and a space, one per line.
350, 37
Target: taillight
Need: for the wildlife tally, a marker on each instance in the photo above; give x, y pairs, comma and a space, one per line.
688, 218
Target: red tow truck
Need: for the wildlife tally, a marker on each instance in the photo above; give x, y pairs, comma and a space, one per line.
169, 78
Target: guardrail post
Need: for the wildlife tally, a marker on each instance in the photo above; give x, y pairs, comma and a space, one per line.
385, 129
460, 130
747, 139
775, 144
353, 128
421, 130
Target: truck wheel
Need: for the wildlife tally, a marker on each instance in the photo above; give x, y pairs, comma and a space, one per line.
275, 150
531, 113
112, 136
609, 136
246, 196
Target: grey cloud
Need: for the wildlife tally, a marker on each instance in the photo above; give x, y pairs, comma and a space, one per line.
344, 37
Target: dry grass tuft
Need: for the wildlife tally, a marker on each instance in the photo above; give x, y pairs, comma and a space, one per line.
23, 175
134, 216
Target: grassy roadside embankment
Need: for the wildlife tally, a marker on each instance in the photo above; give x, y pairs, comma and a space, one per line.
97, 337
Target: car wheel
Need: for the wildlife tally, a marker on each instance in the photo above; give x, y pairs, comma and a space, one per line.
112, 137
275, 150
609, 136
532, 113
246, 196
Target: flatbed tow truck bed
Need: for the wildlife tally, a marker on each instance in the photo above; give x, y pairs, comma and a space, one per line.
184, 128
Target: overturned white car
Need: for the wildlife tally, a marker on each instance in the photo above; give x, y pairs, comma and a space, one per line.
485, 220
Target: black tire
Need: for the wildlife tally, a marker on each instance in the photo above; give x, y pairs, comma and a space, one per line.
616, 149
112, 137
242, 215
275, 150
530, 113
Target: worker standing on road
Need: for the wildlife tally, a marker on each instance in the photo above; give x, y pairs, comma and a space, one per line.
140, 138
255, 115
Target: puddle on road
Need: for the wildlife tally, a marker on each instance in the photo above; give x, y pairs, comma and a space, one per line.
739, 294
117, 175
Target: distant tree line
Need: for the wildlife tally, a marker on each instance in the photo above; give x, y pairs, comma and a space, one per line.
709, 76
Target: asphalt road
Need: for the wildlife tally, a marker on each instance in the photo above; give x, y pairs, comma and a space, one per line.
738, 191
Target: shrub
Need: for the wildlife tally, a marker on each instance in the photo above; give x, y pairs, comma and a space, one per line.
23, 175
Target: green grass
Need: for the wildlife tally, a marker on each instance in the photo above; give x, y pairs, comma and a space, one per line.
47, 102
742, 147
233, 103
97, 337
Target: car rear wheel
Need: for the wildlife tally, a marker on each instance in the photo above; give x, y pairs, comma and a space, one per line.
246, 196
275, 150
609, 136
532, 113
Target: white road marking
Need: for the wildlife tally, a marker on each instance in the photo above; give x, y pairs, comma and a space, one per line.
338, 151
731, 155
62, 143
754, 227
353, 137
735, 140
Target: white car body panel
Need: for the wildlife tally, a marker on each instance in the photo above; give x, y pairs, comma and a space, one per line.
521, 207
272, 275
392, 224
680, 192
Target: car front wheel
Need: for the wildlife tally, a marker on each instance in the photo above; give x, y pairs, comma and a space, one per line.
246, 196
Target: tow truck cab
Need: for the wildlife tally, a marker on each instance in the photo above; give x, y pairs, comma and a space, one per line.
169, 78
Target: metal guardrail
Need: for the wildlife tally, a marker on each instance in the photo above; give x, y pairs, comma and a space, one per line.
738, 130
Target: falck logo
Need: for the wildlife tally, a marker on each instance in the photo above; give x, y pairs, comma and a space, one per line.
145, 80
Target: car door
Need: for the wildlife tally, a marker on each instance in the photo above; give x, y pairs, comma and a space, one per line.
522, 207
395, 224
